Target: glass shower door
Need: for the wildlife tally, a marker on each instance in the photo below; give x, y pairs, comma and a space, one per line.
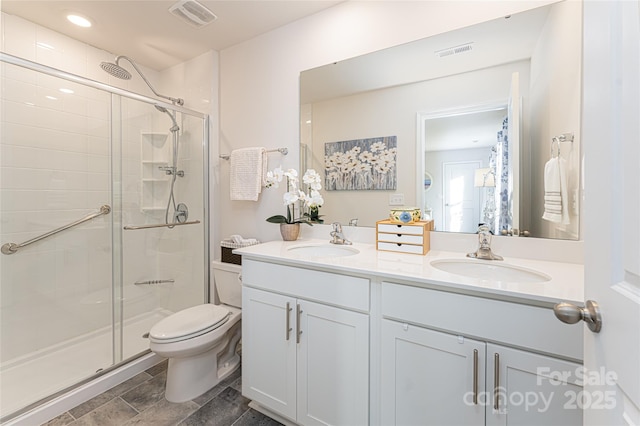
55, 293
164, 268
89, 193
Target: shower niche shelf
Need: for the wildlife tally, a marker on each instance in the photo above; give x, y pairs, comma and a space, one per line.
154, 151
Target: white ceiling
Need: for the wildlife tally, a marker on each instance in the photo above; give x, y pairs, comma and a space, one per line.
146, 31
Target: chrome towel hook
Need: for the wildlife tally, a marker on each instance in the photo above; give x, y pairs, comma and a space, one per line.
556, 140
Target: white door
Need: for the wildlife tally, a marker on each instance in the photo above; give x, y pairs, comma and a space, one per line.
333, 366
611, 137
461, 198
269, 350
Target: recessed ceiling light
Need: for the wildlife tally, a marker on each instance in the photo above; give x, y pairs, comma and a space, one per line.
78, 20
65, 90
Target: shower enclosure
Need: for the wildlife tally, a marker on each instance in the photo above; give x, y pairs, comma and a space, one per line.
103, 232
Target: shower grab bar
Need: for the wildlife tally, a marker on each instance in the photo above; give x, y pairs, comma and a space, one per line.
159, 225
11, 248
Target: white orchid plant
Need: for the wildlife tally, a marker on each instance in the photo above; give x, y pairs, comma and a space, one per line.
308, 200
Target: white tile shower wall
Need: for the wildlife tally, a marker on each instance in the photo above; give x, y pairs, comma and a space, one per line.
55, 167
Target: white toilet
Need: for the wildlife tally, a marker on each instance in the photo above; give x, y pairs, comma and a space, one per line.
201, 341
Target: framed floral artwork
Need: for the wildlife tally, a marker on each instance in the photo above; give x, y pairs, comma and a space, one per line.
361, 164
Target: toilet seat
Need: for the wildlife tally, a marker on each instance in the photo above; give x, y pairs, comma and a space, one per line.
189, 323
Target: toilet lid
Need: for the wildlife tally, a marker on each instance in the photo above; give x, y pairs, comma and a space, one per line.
185, 323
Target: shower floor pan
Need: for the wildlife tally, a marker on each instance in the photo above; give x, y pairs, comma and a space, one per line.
32, 378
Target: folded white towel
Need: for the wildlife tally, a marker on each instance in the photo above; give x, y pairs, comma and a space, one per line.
248, 172
556, 208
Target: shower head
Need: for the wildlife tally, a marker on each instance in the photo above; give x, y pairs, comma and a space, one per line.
116, 70
175, 127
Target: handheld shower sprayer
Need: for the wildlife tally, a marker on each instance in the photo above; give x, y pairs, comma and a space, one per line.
175, 127
117, 71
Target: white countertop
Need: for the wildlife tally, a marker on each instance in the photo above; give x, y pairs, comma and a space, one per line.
566, 283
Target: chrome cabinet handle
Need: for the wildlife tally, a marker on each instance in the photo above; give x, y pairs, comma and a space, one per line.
475, 376
287, 322
298, 314
571, 314
496, 381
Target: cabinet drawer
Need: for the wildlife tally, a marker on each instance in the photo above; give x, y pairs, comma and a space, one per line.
401, 238
508, 322
326, 287
401, 248
401, 229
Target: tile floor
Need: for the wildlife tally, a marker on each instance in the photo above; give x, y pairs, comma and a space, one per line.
140, 401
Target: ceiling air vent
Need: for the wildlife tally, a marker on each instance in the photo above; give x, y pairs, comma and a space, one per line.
467, 47
193, 13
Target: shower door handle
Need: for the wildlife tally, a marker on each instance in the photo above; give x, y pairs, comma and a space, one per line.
159, 225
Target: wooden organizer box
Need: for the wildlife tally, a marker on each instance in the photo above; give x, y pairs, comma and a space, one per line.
403, 238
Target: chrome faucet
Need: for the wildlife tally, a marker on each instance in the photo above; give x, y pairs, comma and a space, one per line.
337, 237
484, 245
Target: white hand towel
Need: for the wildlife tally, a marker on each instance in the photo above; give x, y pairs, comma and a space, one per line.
248, 171
556, 208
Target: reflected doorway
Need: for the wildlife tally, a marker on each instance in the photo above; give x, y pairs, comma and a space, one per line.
461, 202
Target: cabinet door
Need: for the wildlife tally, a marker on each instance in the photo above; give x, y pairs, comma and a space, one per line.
269, 350
333, 366
532, 389
430, 378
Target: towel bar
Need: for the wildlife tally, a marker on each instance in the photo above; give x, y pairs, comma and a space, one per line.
283, 151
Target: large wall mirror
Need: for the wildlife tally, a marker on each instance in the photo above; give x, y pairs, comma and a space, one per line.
480, 113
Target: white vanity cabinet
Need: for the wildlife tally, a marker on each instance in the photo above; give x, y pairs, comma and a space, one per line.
531, 389
442, 377
306, 343
430, 378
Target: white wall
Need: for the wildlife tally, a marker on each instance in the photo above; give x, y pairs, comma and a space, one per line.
259, 80
556, 89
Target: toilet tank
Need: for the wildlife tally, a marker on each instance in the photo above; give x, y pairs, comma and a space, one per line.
226, 278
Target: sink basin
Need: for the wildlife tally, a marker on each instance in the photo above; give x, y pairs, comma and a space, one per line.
490, 270
323, 250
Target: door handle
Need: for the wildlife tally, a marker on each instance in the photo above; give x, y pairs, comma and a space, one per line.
571, 314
